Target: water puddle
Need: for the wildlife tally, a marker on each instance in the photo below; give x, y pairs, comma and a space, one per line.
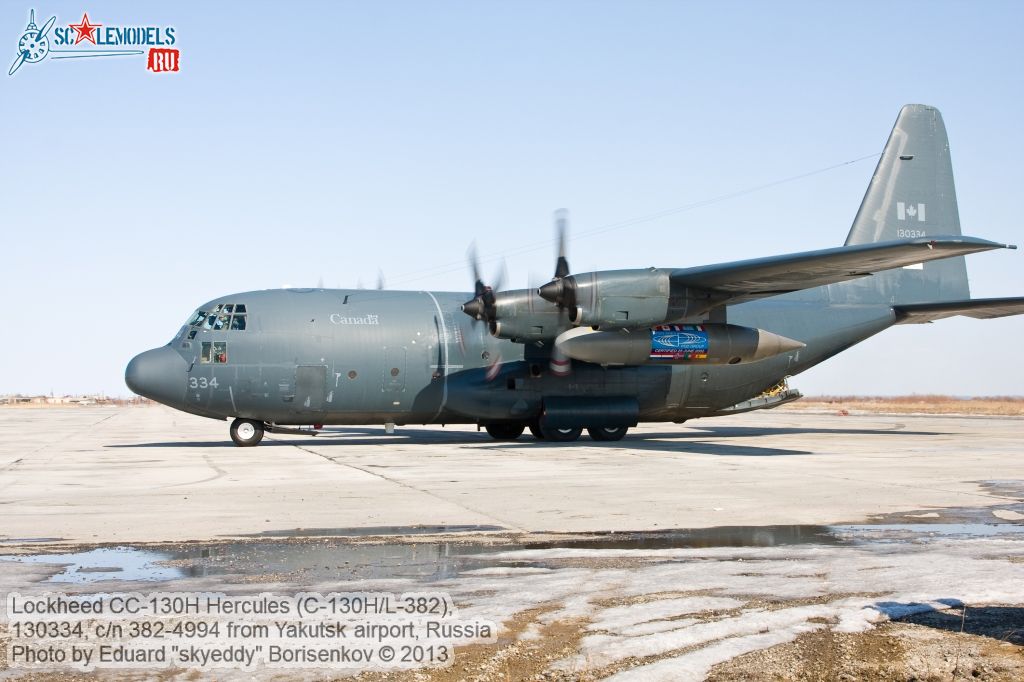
369, 531
320, 555
719, 536
104, 563
903, 532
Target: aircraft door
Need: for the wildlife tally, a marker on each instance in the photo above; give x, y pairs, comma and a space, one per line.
310, 385
394, 370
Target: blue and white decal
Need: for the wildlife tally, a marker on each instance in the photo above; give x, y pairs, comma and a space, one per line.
679, 342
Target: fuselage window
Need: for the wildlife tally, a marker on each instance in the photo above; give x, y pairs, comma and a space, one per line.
192, 334
210, 319
220, 352
223, 322
197, 319
238, 322
240, 308
207, 354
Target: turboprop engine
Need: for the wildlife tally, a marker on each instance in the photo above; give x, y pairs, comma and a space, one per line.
524, 316
674, 344
624, 299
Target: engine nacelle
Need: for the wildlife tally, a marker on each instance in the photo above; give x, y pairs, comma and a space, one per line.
522, 315
620, 299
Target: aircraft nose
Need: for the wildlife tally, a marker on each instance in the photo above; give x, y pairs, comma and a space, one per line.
159, 375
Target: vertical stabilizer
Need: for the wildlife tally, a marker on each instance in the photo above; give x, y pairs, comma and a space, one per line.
912, 195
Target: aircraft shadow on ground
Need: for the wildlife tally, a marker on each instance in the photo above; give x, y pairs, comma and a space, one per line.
691, 440
668, 443
753, 431
1003, 623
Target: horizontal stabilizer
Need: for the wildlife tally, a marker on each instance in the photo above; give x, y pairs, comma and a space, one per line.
980, 309
750, 279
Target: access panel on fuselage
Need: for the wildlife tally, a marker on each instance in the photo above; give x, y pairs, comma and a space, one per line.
310, 387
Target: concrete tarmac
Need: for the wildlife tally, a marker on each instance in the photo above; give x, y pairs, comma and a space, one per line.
150, 474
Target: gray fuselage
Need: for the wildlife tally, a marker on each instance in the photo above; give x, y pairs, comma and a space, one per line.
319, 356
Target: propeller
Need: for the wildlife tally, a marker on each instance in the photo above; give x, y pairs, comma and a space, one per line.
46, 28
561, 290
39, 36
381, 282
18, 62
482, 306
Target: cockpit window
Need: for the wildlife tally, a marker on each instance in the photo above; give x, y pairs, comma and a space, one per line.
215, 352
225, 316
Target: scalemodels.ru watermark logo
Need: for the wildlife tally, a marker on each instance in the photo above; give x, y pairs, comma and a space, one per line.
89, 40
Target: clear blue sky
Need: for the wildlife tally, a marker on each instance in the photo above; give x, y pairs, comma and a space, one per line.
327, 140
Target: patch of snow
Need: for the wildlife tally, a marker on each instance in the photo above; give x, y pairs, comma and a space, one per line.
696, 665
619, 617
603, 650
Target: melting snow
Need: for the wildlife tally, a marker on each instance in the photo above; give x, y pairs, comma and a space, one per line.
677, 631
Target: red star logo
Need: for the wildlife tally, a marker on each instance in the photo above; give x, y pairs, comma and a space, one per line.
85, 30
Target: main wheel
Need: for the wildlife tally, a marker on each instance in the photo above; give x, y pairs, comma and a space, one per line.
504, 430
561, 435
535, 430
246, 432
607, 433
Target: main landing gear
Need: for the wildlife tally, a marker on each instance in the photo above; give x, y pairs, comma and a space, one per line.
512, 431
607, 433
246, 432
505, 430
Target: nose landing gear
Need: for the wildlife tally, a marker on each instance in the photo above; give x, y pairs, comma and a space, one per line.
246, 432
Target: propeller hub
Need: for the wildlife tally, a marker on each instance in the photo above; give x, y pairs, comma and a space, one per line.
552, 291
474, 308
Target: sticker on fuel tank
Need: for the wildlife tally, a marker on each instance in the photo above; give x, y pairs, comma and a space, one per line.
679, 342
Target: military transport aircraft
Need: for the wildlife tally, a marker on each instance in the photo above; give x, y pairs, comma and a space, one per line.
600, 351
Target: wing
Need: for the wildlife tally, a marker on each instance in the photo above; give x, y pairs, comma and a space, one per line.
750, 279
979, 308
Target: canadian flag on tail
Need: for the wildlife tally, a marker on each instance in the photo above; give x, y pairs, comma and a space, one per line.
909, 212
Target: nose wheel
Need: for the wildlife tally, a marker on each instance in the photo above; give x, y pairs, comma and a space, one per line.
246, 432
